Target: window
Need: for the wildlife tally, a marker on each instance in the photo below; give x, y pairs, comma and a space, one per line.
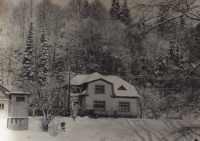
99, 105
122, 88
18, 99
124, 106
99, 89
1, 106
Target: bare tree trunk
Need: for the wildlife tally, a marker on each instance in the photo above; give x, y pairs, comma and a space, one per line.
45, 122
33, 112
141, 114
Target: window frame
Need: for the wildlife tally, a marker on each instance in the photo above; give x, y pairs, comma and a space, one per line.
95, 91
2, 106
19, 97
123, 106
99, 103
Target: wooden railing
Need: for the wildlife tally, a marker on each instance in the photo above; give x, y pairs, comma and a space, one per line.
113, 114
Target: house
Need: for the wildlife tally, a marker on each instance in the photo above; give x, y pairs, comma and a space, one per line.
4, 101
106, 93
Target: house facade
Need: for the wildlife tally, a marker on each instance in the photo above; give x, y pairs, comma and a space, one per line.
4, 101
109, 94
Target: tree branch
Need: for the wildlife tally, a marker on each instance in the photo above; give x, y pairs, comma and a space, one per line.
159, 24
191, 71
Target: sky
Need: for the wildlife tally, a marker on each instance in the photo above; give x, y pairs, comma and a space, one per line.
107, 3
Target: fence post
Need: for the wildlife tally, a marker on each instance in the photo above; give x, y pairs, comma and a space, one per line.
189, 115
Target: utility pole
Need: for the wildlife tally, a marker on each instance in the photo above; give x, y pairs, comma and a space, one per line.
1, 65
69, 92
1, 33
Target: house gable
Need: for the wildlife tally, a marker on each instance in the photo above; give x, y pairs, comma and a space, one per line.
95, 98
96, 82
101, 80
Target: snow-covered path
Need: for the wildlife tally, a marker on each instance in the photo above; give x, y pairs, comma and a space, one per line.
102, 129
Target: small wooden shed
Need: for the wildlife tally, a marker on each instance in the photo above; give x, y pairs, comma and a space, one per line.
18, 111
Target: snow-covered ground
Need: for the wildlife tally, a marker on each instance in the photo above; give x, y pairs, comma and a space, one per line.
102, 129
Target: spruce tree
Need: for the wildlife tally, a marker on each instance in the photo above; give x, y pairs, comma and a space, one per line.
86, 9
175, 53
125, 14
134, 67
43, 61
28, 58
195, 49
115, 10
160, 66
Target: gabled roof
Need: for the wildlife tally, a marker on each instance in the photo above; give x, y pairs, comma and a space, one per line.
118, 82
115, 80
80, 79
8, 92
4, 89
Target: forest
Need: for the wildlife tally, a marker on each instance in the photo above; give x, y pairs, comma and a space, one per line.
157, 42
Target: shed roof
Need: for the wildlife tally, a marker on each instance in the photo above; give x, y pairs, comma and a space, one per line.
19, 93
115, 80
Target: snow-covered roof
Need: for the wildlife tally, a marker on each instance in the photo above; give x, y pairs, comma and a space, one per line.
80, 79
8, 92
19, 93
115, 80
78, 94
4, 89
118, 82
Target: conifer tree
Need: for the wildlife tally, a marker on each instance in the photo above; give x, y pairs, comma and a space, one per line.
175, 53
134, 67
125, 14
115, 10
43, 64
160, 64
195, 49
28, 58
86, 9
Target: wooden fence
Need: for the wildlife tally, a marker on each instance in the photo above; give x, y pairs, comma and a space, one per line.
165, 115
113, 114
117, 114
82, 113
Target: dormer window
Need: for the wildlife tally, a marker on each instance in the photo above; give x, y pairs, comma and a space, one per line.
122, 88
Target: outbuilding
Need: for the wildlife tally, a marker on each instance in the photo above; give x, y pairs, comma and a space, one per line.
14, 106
